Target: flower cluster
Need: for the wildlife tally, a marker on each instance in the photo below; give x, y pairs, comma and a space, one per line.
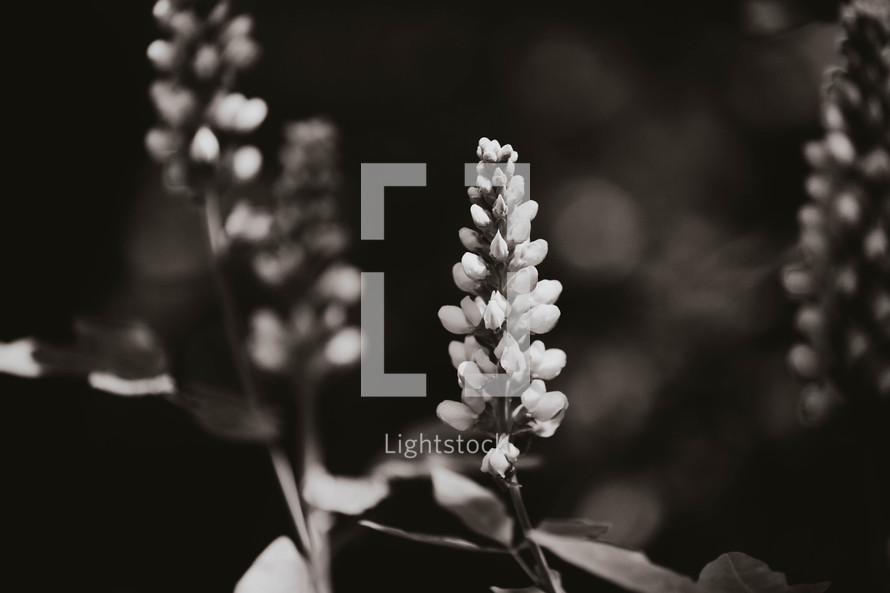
201, 116
497, 360
294, 249
843, 276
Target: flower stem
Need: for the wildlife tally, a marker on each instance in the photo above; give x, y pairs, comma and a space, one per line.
543, 569
283, 469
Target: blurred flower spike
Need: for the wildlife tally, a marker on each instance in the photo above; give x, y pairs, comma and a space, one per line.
842, 278
505, 305
294, 247
201, 117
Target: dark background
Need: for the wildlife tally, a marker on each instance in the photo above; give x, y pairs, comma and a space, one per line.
665, 141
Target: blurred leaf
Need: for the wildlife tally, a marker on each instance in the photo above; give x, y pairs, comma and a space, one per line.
730, 573
119, 357
343, 494
279, 569
17, 358
110, 383
577, 528
555, 576
739, 573
479, 508
437, 540
230, 416
129, 350
625, 568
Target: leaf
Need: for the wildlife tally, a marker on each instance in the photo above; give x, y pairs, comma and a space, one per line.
626, 568
479, 508
228, 415
555, 577
739, 573
110, 383
437, 540
17, 358
128, 349
343, 494
576, 528
279, 569
120, 357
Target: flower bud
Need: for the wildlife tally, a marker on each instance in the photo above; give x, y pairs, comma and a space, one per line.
499, 209
810, 321
473, 399
175, 105
498, 178
528, 254
483, 144
225, 110
547, 292
461, 280
483, 360
275, 267
526, 210
241, 52
248, 223
510, 354
848, 209
545, 363
250, 116
495, 312
246, 163
543, 318
546, 429
160, 144
205, 146
340, 282
549, 405
522, 282
515, 191
805, 362
471, 311
162, 11
875, 244
840, 147
499, 250
500, 459
483, 183
798, 280
470, 239
268, 341
162, 54
184, 23
480, 217
206, 63
469, 374
345, 347
456, 414
531, 397
240, 26
519, 229
474, 266
457, 352
454, 320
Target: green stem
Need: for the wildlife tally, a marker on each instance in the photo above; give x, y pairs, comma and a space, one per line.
525, 524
